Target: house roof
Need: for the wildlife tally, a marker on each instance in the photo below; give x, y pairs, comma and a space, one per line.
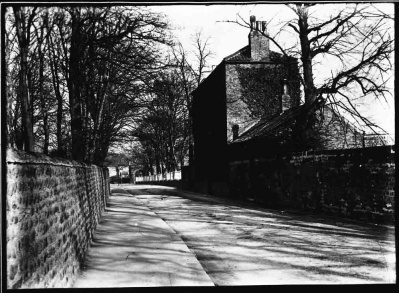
244, 55
266, 127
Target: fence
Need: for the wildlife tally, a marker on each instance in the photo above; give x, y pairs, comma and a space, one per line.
176, 175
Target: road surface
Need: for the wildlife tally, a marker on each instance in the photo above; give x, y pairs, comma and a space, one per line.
161, 236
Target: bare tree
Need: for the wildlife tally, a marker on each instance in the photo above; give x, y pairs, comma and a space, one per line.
11, 67
191, 74
354, 44
81, 72
23, 22
202, 54
55, 53
44, 105
165, 127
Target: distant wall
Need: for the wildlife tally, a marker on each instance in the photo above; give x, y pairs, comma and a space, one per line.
52, 209
171, 183
356, 183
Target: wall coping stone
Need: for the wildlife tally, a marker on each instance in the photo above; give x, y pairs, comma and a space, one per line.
14, 156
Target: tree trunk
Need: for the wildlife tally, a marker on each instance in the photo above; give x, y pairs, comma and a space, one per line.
172, 157
117, 172
22, 33
45, 113
41, 92
56, 86
303, 134
10, 117
310, 92
74, 89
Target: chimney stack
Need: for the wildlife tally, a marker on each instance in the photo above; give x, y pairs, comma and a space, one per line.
285, 98
252, 20
258, 43
235, 129
258, 24
263, 26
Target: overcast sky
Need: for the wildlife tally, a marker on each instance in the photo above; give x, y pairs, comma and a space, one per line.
227, 38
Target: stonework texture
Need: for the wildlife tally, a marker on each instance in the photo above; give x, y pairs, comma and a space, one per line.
259, 46
255, 90
336, 132
354, 183
238, 112
52, 209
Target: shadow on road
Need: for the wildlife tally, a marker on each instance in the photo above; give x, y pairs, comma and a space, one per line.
239, 244
133, 247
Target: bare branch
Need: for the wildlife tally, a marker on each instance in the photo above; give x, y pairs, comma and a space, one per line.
339, 24
247, 25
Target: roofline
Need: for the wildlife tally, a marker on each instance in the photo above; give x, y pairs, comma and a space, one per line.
236, 52
225, 61
258, 62
221, 63
296, 110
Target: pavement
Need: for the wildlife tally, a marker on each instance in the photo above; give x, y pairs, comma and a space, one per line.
133, 247
156, 236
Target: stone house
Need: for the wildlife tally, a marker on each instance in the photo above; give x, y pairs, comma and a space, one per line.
247, 108
245, 86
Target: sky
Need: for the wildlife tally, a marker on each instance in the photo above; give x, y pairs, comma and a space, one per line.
226, 38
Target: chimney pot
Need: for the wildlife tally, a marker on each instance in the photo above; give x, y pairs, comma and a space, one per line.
258, 25
263, 26
285, 98
258, 43
285, 86
252, 19
235, 129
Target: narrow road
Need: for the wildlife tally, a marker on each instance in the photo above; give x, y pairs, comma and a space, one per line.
228, 242
133, 247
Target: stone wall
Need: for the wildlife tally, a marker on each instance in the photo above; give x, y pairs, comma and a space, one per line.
52, 209
171, 183
336, 132
255, 90
237, 111
355, 183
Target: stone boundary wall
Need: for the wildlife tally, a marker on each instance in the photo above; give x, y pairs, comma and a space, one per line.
354, 183
52, 208
170, 183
